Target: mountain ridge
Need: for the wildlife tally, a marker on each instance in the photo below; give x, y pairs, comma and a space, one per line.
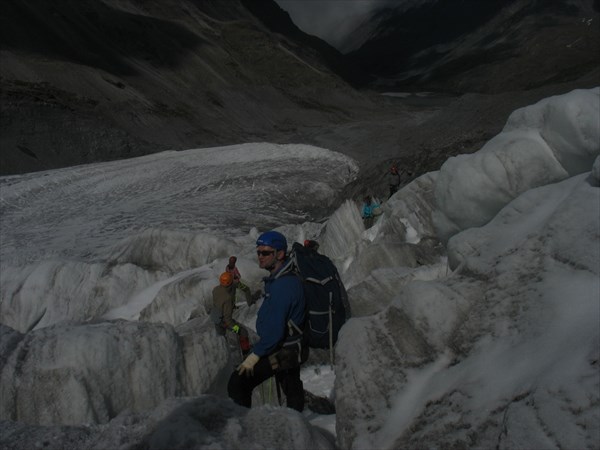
472, 46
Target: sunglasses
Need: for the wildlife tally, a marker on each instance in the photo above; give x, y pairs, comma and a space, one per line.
264, 252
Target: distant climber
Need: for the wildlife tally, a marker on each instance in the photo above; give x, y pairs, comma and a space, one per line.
237, 280
232, 269
279, 324
393, 180
222, 311
370, 209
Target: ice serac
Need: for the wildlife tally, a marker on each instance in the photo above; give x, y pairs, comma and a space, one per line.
595, 175
180, 299
342, 231
90, 373
51, 292
554, 139
402, 237
409, 210
178, 423
377, 291
502, 353
155, 248
401, 247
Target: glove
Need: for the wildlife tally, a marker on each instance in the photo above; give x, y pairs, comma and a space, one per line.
247, 366
236, 329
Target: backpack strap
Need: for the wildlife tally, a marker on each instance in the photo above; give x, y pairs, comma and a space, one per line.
295, 339
293, 327
322, 282
288, 268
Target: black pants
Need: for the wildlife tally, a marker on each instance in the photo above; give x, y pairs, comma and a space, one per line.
240, 387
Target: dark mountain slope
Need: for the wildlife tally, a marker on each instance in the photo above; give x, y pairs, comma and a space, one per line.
279, 21
94, 34
400, 34
473, 46
85, 81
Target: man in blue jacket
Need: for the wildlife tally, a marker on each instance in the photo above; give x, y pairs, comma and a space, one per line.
279, 323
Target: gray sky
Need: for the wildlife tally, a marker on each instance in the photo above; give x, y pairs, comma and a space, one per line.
330, 20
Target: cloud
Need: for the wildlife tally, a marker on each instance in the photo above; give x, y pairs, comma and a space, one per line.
331, 20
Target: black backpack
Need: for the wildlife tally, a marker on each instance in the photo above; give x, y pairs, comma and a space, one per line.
327, 307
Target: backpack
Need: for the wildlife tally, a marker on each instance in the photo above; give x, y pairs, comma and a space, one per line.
325, 296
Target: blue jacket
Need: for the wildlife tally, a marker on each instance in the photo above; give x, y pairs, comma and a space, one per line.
367, 210
284, 300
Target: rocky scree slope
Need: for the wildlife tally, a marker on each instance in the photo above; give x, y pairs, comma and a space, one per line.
93, 81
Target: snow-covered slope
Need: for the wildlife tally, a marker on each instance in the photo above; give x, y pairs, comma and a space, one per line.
488, 341
554, 139
94, 238
504, 351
